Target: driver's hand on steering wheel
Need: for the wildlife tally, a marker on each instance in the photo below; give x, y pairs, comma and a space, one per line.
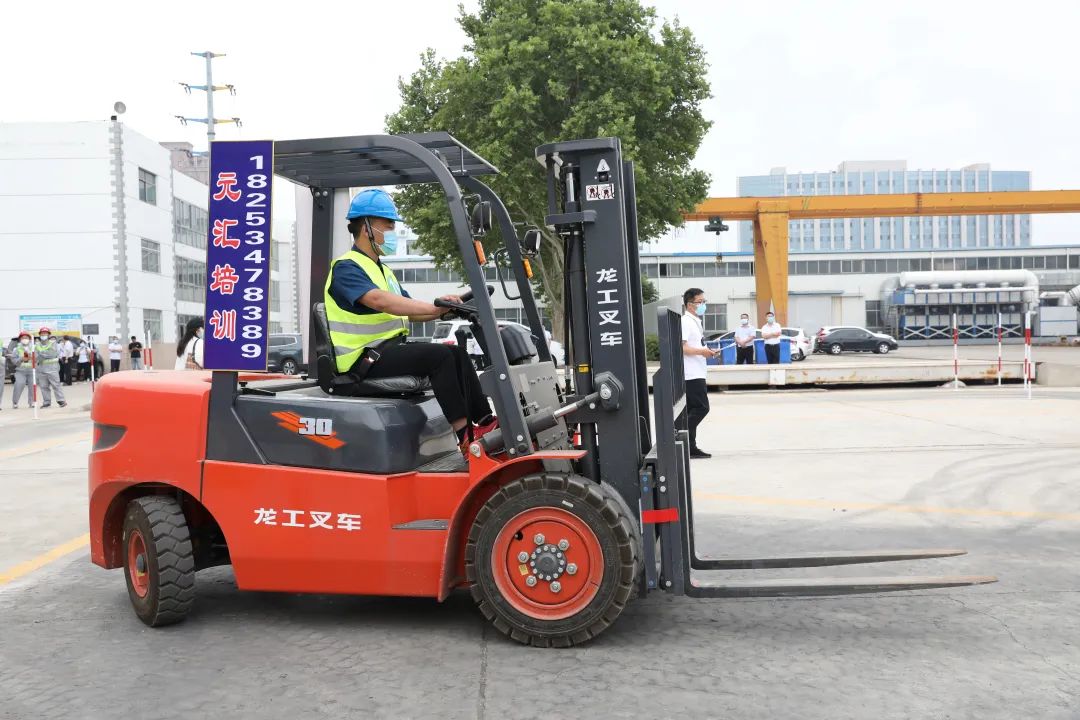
452, 298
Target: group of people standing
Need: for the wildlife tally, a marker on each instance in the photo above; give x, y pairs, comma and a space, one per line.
42, 357
696, 355
57, 362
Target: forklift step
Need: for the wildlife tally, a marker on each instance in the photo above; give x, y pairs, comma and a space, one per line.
796, 587
821, 559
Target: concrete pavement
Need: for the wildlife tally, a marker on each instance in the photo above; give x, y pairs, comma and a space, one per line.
984, 469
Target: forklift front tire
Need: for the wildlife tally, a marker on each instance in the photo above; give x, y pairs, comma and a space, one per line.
159, 565
552, 559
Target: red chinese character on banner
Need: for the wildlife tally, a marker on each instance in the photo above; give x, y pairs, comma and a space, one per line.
225, 279
224, 324
226, 182
221, 234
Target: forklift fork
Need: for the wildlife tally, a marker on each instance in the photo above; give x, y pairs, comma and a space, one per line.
667, 516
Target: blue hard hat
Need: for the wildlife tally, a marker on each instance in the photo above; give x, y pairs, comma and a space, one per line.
373, 203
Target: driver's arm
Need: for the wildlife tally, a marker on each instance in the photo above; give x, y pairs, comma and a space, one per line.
388, 302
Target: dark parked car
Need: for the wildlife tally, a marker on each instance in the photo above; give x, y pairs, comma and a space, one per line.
286, 354
853, 339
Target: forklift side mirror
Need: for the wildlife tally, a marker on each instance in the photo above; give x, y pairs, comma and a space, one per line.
481, 218
530, 243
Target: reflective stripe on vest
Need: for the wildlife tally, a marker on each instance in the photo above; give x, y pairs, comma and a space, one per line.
45, 348
351, 332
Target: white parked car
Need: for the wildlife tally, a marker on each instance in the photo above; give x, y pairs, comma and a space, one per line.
446, 333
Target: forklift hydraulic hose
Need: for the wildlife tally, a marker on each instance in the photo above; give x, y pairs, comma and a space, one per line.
537, 422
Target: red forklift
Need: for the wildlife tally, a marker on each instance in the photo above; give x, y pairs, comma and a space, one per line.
576, 505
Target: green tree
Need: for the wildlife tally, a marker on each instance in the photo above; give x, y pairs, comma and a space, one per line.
649, 293
539, 71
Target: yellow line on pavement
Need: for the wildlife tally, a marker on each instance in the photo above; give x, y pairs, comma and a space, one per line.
43, 445
44, 559
891, 507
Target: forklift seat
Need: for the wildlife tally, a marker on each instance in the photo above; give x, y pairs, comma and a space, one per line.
342, 384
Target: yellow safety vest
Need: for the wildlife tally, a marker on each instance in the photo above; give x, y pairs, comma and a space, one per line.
351, 332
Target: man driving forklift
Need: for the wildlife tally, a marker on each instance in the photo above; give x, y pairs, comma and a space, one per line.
368, 314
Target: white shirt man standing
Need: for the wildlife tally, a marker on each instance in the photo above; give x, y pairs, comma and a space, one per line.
67, 360
772, 335
695, 355
745, 335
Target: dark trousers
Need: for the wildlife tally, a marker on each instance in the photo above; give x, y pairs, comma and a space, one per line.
697, 407
453, 378
114, 366
744, 355
84, 371
65, 371
772, 354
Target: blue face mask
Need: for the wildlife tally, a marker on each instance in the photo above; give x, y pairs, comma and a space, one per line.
389, 243
701, 310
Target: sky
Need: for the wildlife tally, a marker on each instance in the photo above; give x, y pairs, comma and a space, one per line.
804, 85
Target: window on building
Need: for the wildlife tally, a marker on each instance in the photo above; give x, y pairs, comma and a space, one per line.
275, 296
182, 321
275, 327
189, 224
715, 319
152, 324
670, 270
190, 280
151, 256
147, 186
873, 315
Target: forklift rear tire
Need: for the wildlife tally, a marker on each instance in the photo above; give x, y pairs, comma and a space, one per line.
552, 559
159, 565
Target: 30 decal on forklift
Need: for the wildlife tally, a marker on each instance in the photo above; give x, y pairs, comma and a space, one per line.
320, 430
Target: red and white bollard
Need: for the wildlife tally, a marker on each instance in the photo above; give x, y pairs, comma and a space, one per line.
148, 354
955, 353
93, 365
33, 382
999, 329
1027, 353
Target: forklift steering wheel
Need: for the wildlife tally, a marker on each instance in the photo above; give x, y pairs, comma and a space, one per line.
465, 312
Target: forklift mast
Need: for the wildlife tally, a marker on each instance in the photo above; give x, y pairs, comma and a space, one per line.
593, 207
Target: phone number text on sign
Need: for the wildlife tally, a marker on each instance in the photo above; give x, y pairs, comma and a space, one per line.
238, 255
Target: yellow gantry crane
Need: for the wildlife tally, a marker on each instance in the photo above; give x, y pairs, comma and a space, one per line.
770, 216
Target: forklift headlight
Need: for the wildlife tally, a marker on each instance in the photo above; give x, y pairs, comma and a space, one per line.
107, 436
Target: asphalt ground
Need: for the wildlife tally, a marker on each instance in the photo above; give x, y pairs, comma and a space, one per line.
980, 468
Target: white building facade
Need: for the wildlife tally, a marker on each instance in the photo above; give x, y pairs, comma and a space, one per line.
99, 227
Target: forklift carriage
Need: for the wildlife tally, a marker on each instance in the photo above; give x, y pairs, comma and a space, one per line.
575, 505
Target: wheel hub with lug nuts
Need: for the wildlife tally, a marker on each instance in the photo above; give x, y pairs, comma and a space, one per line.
547, 563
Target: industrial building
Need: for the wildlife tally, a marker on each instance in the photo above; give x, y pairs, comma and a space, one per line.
104, 233
894, 233
848, 288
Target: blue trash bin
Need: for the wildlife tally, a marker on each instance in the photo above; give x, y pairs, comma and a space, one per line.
713, 345
727, 354
759, 352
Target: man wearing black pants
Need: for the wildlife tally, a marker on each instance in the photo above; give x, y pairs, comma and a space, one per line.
453, 377
744, 341
694, 365
770, 332
368, 314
